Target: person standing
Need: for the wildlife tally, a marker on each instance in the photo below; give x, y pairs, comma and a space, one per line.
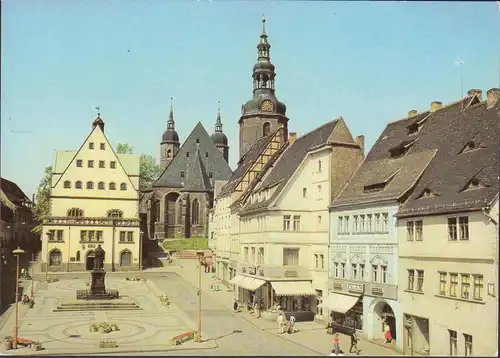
354, 343
235, 305
336, 344
292, 323
281, 323
387, 334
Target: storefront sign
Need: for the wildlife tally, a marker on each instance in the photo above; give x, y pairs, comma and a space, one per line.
377, 290
291, 274
355, 287
337, 286
252, 270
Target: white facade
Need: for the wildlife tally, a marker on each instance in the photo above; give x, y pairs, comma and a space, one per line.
364, 262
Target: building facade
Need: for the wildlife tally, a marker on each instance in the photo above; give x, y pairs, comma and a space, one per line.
448, 240
363, 237
16, 225
94, 198
178, 203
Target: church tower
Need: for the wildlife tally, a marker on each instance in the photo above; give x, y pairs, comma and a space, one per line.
263, 114
169, 141
219, 138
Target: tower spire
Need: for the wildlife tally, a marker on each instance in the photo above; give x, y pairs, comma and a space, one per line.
263, 71
171, 122
218, 122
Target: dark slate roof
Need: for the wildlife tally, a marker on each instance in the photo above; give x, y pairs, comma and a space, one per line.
452, 170
289, 161
399, 175
196, 178
13, 192
246, 163
214, 163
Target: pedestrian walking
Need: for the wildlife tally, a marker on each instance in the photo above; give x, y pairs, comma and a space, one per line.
292, 323
336, 344
354, 343
235, 305
281, 323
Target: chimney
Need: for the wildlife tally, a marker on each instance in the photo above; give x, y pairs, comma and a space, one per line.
412, 112
476, 92
492, 97
360, 140
292, 137
435, 106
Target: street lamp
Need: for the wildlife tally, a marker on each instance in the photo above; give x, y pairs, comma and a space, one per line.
141, 234
17, 252
47, 257
199, 254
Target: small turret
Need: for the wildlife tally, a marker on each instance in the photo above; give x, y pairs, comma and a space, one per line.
169, 140
219, 138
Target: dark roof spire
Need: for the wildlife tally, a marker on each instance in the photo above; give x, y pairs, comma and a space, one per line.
218, 122
171, 122
263, 71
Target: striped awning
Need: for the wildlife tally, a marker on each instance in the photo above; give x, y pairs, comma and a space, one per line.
293, 288
250, 283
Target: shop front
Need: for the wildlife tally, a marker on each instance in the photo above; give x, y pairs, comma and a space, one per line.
289, 288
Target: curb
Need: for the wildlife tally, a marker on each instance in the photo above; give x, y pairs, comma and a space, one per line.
104, 351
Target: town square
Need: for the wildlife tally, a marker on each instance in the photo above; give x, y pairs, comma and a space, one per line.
249, 178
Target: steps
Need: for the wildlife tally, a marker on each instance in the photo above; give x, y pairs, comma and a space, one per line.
97, 306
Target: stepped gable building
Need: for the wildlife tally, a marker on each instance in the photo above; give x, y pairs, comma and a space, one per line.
177, 205
94, 199
263, 114
448, 235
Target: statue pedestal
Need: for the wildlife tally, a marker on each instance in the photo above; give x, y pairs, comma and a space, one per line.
97, 285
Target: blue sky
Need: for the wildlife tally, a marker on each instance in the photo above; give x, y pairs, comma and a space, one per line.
369, 62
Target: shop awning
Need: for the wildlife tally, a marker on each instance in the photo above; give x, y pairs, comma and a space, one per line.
339, 303
293, 288
236, 279
250, 283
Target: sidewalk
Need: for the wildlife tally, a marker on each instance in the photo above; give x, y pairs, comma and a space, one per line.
311, 335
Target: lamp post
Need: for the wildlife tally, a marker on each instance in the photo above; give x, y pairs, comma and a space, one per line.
141, 234
32, 274
200, 256
17, 252
47, 257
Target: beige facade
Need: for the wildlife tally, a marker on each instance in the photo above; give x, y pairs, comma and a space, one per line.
94, 201
448, 283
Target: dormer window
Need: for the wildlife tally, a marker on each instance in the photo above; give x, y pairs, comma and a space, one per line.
475, 183
379, 186
182, 175
427, 193
197, 141
206, 154
210, 175
470, 146
187, 154
401, 149
413, 128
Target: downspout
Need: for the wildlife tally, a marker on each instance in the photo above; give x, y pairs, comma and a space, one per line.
69, 248
113, 247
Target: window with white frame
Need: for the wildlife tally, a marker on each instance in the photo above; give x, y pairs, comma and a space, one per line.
290, 257
409, 231
252, 257
286, 222
362, 223
377, 222
420, 280
443, 282
245, 256
468, 345
316, 261
369, 219
260, 256
362, 272
321, 261
452, 229
346, 225
411, 280
465, 286
355, 224
296, 223
383, 273
340, 224
342, 270
385, 222
336, 267
304, 192
453, 342
375, 273
478, 287
419, 230
354, 271
453, 284
463, 223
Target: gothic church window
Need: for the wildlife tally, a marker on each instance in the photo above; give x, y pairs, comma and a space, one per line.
195, 211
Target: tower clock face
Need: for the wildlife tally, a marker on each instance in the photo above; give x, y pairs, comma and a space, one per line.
266, 106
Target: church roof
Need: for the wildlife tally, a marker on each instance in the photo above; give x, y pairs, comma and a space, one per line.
198, 154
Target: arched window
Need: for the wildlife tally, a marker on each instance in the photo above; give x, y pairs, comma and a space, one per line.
67, 184
178, 211
112, 186
169, 153
195, 212
100, 186
78, 184
319, 165
75, 213
266, 129
125, 258
55, 258
123, 186
115, 213
90, 185
78, 256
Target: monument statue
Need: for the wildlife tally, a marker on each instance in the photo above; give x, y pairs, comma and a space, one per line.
98, 258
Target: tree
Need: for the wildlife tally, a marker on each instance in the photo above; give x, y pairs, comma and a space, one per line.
148, 171
41, 209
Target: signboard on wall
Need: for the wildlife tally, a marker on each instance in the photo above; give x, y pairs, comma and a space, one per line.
252, 270
355, 287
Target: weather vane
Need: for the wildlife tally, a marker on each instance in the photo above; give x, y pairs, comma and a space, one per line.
98, 108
